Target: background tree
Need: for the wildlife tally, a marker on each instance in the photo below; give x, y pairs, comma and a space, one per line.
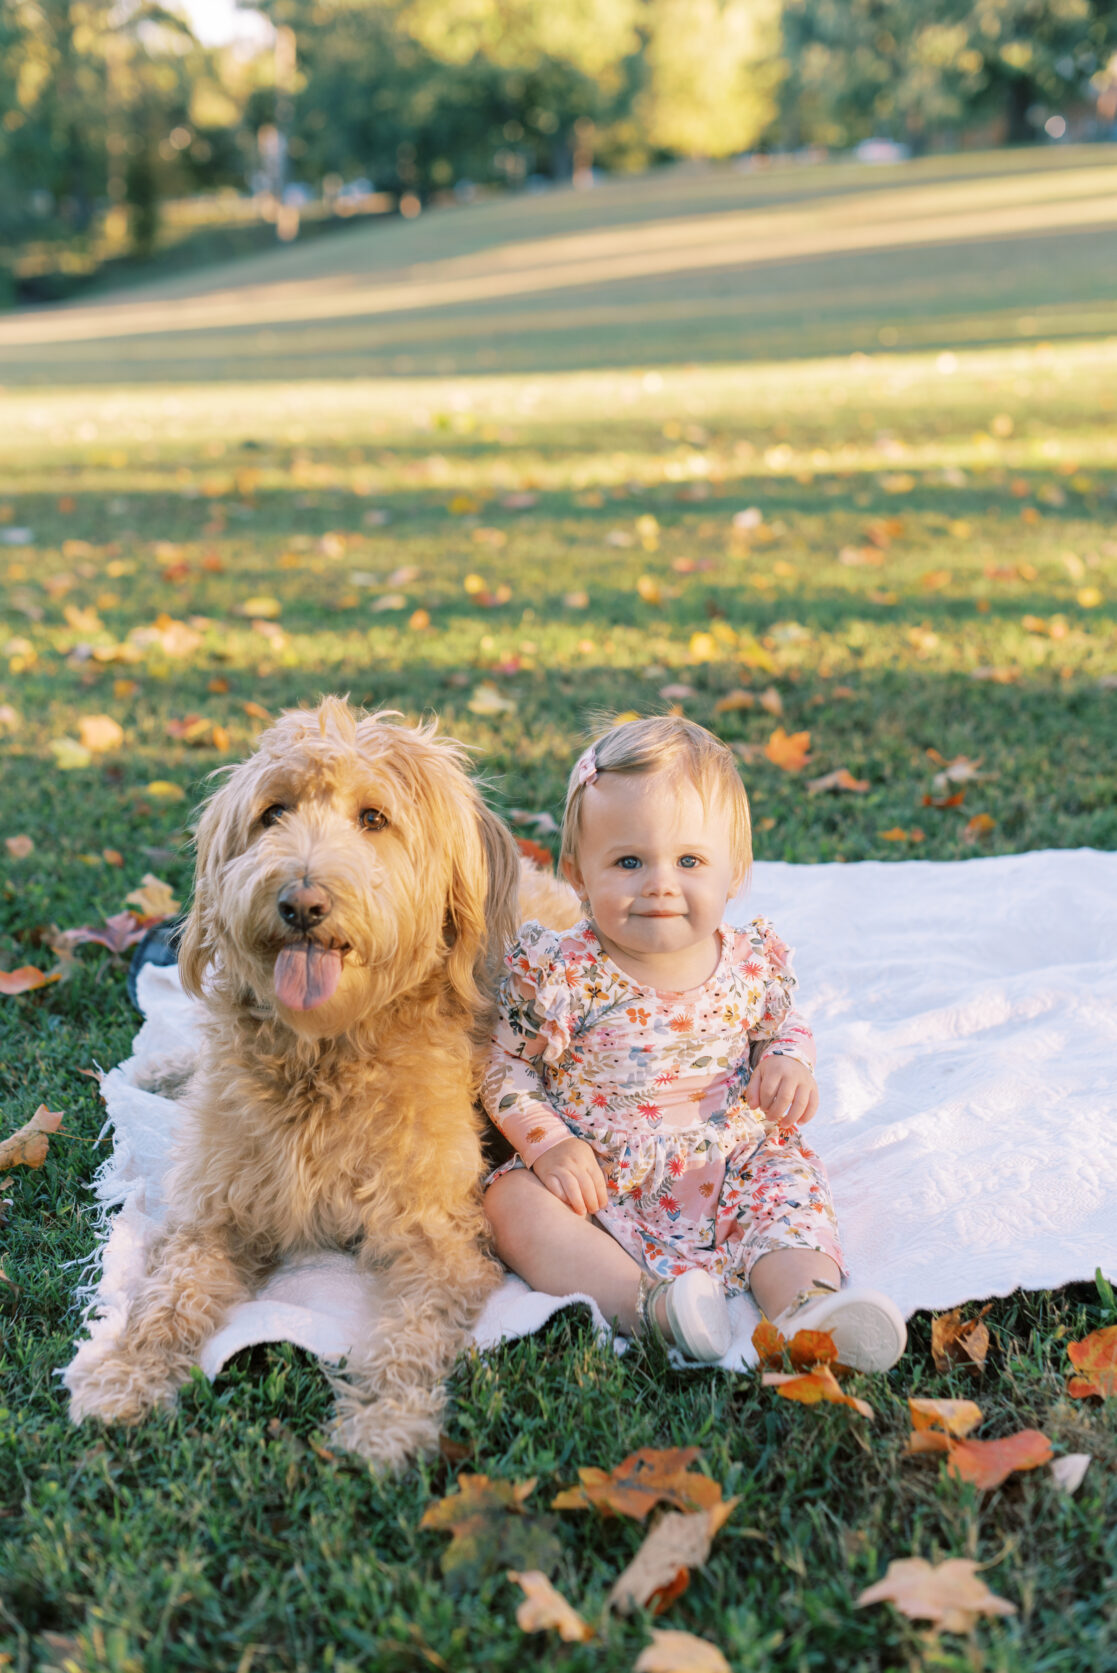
714, 69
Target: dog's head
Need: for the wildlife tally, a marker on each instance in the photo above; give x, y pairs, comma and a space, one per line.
349, 860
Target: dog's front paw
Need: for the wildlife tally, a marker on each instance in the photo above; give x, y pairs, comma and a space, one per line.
120, 1389
387, 1433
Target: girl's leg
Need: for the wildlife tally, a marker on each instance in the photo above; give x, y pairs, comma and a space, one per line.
557, 1251
778, 1277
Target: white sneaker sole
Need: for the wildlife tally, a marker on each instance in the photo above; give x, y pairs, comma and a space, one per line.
868, 1329
698, 1315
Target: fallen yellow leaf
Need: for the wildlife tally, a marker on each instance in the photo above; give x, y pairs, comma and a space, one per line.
948, 1594
679, 1652
153, 898
544, 1607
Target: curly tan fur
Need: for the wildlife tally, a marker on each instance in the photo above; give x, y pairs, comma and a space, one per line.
352, 1123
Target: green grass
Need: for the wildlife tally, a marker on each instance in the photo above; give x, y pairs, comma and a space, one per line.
187, 471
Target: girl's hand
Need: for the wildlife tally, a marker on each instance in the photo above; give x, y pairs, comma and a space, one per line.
571, 1171
784, 1089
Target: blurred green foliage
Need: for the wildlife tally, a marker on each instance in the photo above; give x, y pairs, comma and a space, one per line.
110, 108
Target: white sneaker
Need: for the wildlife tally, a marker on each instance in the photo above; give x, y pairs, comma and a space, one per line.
697, 1314
868, 1329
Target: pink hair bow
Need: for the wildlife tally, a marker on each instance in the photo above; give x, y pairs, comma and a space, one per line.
586, 770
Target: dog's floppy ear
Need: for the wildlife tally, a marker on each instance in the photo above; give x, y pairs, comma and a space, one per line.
213, 842
481, 910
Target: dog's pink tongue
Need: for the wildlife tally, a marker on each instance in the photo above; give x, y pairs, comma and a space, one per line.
306, 975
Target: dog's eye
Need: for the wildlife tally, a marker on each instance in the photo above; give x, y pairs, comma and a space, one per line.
272, 815
371, 819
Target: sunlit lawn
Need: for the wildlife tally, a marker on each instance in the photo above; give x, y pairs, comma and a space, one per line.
909, 554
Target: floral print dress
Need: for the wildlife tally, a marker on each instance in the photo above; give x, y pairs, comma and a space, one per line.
656, 1082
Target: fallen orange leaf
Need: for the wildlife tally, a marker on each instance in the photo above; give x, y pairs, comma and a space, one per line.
812, 1386
953, 1417
642, 1480
805, 1348
944, 1426
840, 779
949, 1594
1096, 1357
536, 852
788, 750
898, 834
988, 1463
26, 979
980, 825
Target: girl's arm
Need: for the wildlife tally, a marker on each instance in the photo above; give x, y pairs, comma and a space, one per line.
515, 1098
792, 1039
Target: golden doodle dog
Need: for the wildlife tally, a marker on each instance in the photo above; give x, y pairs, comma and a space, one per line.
352, 902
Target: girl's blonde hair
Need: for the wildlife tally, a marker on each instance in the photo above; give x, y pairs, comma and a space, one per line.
664, 743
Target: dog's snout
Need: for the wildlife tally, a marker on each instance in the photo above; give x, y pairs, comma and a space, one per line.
304, 904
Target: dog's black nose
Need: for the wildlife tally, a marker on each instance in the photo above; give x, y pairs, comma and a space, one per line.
304, 904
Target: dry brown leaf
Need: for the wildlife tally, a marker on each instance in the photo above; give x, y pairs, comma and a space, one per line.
26, 979
491, 1530
771, 700
679, 1652
840, 779
958, 1341
660, 1570
543, 1607
117, 933
28, 1147
811, 1387
19, 847
948, 1594
154, 898
641, 1481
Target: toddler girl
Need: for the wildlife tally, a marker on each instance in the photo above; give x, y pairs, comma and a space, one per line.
652, 1076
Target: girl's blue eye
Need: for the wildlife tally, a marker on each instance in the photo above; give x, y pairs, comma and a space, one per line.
689, 860
628, 862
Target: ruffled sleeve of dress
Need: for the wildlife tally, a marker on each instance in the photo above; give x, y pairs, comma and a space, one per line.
780, 1031
534, 1027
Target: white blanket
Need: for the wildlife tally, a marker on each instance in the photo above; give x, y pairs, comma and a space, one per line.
966, 1021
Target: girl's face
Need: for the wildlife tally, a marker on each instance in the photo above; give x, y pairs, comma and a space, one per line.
653, 862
